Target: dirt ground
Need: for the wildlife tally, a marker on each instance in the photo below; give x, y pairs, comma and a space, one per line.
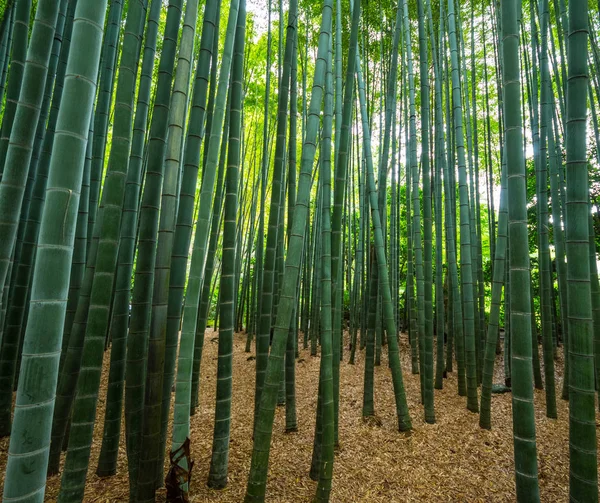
450, 461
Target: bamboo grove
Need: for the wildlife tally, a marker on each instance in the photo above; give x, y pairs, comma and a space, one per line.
335, 177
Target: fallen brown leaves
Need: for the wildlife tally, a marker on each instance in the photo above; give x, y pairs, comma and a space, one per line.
451, 460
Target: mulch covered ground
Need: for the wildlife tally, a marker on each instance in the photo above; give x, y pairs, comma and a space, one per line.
452, 460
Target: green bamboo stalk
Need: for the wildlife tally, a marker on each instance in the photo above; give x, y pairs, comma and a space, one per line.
103, 109
107, 464
472, 198
209, 267
326, 385
151, 445
264, 425
30, 237
6, 29
583, 479
217, 478
260, 350
326, 409
427, 222
88, 382
410, 275
9, 42
525, 450
25, 478
415, 230
19, 285
269, 268
139, 329
341, 152
542, 189
494, 321
12, 185
212, 265
480, 315
180, 459
595, 292
404, 422
465, 234
18, 57
291, 422
13, 324
368, 408
185, 214
440, 369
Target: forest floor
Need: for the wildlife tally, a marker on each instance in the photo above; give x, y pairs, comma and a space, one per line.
452, 460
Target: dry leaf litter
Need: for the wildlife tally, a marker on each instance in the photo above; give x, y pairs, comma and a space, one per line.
452, 460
